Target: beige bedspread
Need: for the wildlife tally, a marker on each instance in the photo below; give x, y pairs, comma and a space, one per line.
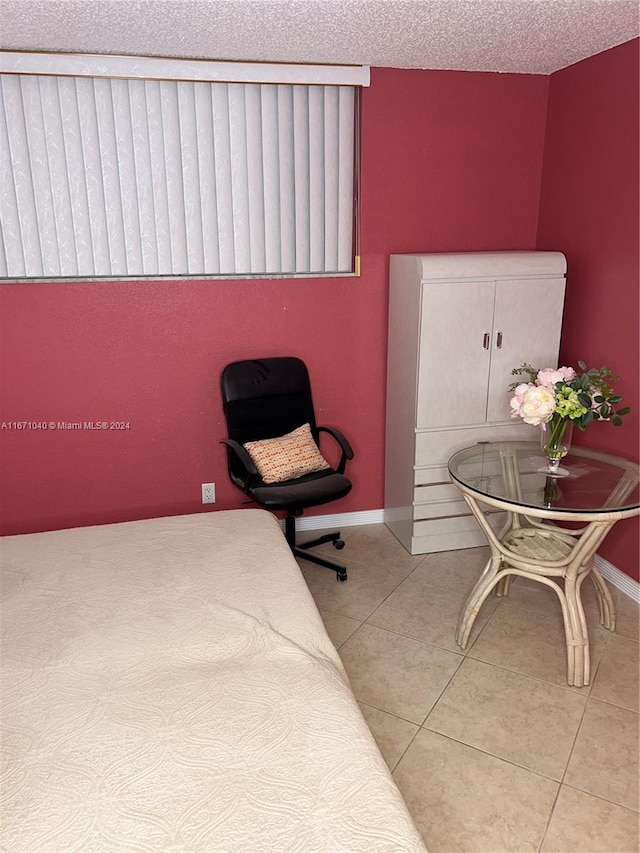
168, 685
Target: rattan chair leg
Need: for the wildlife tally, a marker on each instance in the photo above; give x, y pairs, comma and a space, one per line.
477, 598
578, 669
502, 588
605, 603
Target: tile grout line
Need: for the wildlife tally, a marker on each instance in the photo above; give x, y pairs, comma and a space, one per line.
411, 637
496, 757
378, 606
389, 713
603, 800
404, 751
568, 688
550, 816
566, 767
614, 705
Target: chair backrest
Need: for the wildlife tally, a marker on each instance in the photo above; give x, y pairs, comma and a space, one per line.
265, 398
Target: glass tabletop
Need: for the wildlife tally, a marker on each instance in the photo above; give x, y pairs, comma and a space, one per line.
514, 472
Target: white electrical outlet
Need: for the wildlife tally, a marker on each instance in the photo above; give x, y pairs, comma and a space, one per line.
208, 493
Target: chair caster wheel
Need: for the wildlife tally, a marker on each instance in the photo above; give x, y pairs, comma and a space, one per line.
341, 577
339, 544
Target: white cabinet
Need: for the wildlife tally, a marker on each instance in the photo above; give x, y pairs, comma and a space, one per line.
458, 325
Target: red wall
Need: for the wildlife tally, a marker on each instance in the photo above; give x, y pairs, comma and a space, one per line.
450, 161
589, 211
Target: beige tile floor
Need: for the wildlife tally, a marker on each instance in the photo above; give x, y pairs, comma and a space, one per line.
491, 749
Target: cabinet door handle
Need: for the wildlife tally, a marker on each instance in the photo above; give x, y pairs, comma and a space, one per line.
499, 340
486, 340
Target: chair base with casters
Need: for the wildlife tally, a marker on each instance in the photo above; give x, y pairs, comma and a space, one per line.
293, 496
268, 399
300, 550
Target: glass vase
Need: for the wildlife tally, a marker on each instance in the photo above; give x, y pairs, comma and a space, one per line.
555, 441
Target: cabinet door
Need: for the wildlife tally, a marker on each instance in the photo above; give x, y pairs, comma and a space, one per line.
526, 328
453, 364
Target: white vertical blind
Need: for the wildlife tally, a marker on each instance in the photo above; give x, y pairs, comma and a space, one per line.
130, 177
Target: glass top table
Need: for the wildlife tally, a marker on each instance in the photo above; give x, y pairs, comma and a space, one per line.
512, 473
528, 538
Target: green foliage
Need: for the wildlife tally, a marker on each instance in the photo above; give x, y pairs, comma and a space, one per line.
531, 372
585, 398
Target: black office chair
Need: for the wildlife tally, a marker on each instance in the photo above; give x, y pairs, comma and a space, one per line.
268, 398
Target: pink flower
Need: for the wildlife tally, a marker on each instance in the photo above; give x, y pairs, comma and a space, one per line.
548, 377
535, 404
516, 400
567, 373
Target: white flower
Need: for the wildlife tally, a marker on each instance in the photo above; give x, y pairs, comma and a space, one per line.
536, 404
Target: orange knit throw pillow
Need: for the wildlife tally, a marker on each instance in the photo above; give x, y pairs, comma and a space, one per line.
286, 457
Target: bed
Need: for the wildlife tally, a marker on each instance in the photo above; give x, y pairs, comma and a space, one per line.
168, 685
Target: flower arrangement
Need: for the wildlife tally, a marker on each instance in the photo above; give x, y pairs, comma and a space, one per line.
552, 395
562, 397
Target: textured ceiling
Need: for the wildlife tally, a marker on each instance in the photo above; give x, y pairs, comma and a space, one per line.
525, 36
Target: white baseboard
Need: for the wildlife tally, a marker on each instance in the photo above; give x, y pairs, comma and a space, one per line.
340, 519
611, 573
617, 578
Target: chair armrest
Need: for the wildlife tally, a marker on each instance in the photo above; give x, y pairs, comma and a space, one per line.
242, 455
347, 452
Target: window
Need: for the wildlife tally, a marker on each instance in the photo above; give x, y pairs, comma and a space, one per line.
109, 169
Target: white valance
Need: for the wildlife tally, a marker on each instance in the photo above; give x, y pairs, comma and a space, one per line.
162, 68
